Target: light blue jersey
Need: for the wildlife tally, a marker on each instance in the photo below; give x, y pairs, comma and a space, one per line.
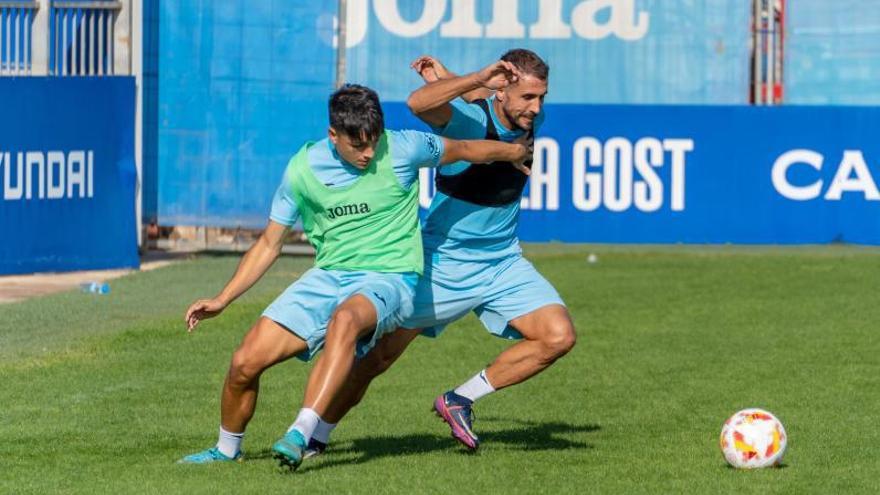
410, 151
473, 261
465, 231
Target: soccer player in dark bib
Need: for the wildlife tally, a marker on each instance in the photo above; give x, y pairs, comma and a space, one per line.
473, 260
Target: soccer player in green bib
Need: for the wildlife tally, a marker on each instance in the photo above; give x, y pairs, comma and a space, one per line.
356, 193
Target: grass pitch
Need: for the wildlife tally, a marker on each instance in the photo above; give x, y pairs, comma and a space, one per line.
103, 394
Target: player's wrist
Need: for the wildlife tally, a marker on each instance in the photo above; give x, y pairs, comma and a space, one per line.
476, 81
515, 151
223, 299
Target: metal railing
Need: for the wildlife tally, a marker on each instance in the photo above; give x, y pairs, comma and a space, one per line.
82, 38
768, 51
65, 37
16, 33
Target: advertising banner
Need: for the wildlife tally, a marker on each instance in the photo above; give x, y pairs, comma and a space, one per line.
599, 51
67, 173
700, 174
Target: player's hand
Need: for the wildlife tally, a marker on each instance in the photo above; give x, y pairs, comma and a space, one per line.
202, 310
429, 68
526, 146
499, 75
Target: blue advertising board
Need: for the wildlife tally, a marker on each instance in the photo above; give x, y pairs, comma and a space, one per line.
67, 173
238, 90
700, 174
599, 51
234, 88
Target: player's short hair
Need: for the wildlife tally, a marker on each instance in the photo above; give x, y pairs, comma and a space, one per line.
355, 111
528, 62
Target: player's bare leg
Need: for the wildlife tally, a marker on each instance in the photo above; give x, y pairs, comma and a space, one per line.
379, 359
353, 319
548, 334
365, 370
266, 344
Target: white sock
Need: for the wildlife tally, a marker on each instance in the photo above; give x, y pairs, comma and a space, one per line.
476, 387
322, 431
305, 423
229, 444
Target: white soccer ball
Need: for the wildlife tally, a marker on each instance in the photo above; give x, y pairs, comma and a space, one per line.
753, 438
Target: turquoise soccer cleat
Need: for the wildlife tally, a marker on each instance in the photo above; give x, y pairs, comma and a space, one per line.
208, 456
289, 450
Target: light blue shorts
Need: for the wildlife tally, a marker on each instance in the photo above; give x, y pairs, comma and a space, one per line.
306, 306
496, 291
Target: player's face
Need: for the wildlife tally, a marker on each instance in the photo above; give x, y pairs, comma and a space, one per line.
522, 101
357, 151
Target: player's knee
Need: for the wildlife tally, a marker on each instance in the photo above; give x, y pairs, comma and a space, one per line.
342, 318
559, 338
244, 369
342, 326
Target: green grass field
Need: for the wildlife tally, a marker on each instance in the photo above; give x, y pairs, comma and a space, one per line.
103, 394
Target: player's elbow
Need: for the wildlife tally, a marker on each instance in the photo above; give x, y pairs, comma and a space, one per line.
269, 244
415, 104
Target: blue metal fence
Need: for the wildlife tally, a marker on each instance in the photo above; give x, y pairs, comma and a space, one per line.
81, 37
16, 20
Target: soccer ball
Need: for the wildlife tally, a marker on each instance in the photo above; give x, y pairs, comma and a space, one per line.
753, 438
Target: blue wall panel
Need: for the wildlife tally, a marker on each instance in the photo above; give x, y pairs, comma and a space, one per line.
833, 52
240, 86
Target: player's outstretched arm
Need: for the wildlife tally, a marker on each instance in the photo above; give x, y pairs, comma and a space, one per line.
431, 69
484, 151
431, 102
253, 265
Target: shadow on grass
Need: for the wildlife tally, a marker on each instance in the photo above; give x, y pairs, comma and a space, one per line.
525, 435
769, 468
238, 252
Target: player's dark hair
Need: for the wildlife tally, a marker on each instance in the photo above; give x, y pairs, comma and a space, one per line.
355, 111
528, 62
